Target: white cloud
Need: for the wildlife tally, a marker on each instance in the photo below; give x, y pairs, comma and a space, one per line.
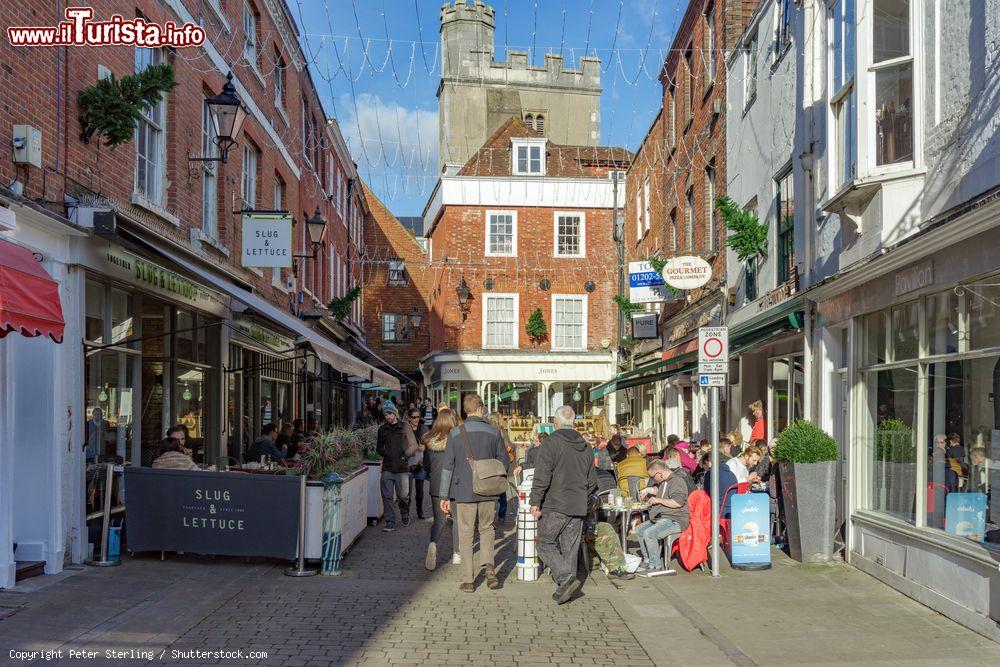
384, 135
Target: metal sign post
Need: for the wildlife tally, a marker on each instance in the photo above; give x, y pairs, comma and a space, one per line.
713, 367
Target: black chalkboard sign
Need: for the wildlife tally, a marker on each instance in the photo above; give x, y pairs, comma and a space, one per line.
221, 513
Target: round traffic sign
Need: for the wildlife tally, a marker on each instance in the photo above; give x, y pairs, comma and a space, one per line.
712, 347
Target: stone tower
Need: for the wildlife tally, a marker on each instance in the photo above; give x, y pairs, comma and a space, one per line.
477, 93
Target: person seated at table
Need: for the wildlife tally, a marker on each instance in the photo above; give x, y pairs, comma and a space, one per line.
633, 465
608, 547
605, 467
264, 445
171, 456
668, 515
726, 480
285, 434
672, 459
742, 465
617, 448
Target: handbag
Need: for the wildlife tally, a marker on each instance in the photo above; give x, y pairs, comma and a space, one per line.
489, 477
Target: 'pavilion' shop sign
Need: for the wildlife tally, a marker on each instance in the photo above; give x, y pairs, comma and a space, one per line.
153, 278
225, 514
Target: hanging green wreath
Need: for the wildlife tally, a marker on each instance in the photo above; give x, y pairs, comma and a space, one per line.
747, 235
112, 107
341, 306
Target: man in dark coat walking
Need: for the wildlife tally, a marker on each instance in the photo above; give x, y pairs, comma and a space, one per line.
565, 478
395, 443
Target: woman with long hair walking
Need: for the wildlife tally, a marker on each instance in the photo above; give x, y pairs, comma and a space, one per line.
434, 442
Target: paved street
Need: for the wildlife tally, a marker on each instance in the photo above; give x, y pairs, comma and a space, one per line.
386, 609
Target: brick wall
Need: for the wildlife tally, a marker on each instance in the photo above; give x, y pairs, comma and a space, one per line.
687, 137
39, 86
386, 239
458, 248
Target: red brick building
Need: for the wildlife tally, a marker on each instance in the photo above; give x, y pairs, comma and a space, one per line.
146, 246
396, 291
524, 226
678, 171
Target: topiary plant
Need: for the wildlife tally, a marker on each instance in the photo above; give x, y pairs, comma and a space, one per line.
535, 328
894, 442
804, 442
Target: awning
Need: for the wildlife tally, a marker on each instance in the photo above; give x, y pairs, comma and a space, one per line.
677, 360
29, 297
391, 370
603, 389
774, 322
325, 349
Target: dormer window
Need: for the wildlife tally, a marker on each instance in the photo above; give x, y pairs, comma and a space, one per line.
528, 157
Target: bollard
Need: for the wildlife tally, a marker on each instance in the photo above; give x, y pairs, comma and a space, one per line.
300, 569
109, 482
331, 524
527, 524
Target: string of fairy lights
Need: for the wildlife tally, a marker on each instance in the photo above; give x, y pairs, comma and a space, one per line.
397, 160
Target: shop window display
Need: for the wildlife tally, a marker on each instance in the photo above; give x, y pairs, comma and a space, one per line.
940, 411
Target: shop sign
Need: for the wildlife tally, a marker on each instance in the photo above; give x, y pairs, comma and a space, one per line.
267, 240
645, 285
774, 297
262, 335
751, 530
154, 278
687, 272
914, 278
965, 515
220, 513
644, 326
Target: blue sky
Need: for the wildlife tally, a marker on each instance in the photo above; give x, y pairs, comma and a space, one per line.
387, 108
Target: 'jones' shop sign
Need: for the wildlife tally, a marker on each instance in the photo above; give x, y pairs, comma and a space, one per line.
228, 514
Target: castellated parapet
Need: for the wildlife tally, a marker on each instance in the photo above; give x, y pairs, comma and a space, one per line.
478, 93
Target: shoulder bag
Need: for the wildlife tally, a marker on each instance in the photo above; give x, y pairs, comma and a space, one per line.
489, 477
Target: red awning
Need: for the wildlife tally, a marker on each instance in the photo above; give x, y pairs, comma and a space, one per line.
29, 298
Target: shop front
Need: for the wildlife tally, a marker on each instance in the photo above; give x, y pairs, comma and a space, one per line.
525, 387
919, 349
767, 363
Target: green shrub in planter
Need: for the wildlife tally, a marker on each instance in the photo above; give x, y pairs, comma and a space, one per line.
894, 442
804, 442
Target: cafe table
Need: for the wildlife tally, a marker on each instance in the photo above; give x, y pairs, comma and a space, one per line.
625, 515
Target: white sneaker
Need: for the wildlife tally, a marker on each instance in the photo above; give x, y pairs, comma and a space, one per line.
456, 559
430, 560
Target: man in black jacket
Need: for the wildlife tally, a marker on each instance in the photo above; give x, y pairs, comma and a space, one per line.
483, 439
395, 444
564, 479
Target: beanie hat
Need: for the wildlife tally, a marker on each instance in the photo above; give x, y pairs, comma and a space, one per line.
389, 407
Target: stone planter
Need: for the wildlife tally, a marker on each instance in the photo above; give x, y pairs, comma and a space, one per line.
809, 504
895, 487
374, 492
353, 512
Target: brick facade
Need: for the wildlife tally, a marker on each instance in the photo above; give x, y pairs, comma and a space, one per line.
386, 240
685, 144
39, 86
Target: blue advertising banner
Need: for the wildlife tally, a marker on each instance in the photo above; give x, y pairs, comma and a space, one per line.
965, 515
751, 531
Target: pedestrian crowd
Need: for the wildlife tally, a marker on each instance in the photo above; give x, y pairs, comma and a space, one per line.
576, 479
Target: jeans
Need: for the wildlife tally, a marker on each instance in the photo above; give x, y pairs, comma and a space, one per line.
440, 520
418, 480
400, 483
559, 543
650, 535
467, 516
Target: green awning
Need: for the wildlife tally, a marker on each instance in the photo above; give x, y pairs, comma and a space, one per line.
601, 390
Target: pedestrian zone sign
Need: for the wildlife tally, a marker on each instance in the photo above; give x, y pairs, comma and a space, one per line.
713, 351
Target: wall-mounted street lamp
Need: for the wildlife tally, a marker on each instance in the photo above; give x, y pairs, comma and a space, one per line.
315, 228
464, 294
413, 320
227, 114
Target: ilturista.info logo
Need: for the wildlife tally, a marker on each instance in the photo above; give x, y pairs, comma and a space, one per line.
80, 29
